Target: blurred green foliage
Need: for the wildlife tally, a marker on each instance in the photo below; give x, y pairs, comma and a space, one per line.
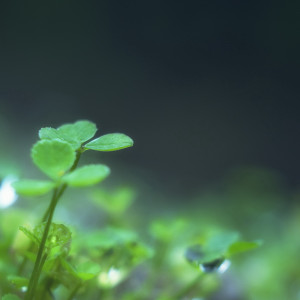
125, 251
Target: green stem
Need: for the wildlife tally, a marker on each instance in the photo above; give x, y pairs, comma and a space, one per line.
37, 269
74, 292
44, 219
48, 281
188, 288
34, 275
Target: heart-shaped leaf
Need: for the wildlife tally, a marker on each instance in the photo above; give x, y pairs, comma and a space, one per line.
110, 142
75, 134
87, 175
53, 157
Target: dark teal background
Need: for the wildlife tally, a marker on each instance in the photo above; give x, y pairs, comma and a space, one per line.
201, 86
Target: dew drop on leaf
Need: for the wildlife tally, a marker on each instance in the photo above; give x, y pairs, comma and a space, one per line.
219, 265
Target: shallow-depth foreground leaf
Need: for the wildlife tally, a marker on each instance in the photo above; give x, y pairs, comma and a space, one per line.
87, 175
110, 142
53, 157
28, 187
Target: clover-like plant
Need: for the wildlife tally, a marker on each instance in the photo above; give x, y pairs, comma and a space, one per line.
57, 154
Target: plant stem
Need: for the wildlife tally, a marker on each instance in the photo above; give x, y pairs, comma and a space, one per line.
44, 219
188, 288
34, 275
38, 266
39, 271
74, 292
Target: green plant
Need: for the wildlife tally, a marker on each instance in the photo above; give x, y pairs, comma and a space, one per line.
64, 263
57, 155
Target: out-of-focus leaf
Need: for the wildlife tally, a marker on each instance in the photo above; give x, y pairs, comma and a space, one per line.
242, 246
84, 271
10, 297
53, 157
166, 230
28, 187
115, 202
216, 249
10, 222
106, 238
30, 235
217, 245
18, 281
87, 175
110, 142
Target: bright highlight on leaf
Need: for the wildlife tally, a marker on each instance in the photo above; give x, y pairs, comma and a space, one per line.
53, 157
87, 175
110, 142
29, 187
75, 134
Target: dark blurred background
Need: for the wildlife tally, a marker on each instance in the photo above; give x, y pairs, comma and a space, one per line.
201, 86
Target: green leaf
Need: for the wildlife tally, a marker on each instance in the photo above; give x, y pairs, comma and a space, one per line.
80, 130
87, 175
10, 297
18, 281
30, 234
213, 251
75, 134
29, 187
84, 271
167, 230
48, 133
116, 202
53, 157
106, 238
242, 246
110, 142
217, 245
217, 248
87, 270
